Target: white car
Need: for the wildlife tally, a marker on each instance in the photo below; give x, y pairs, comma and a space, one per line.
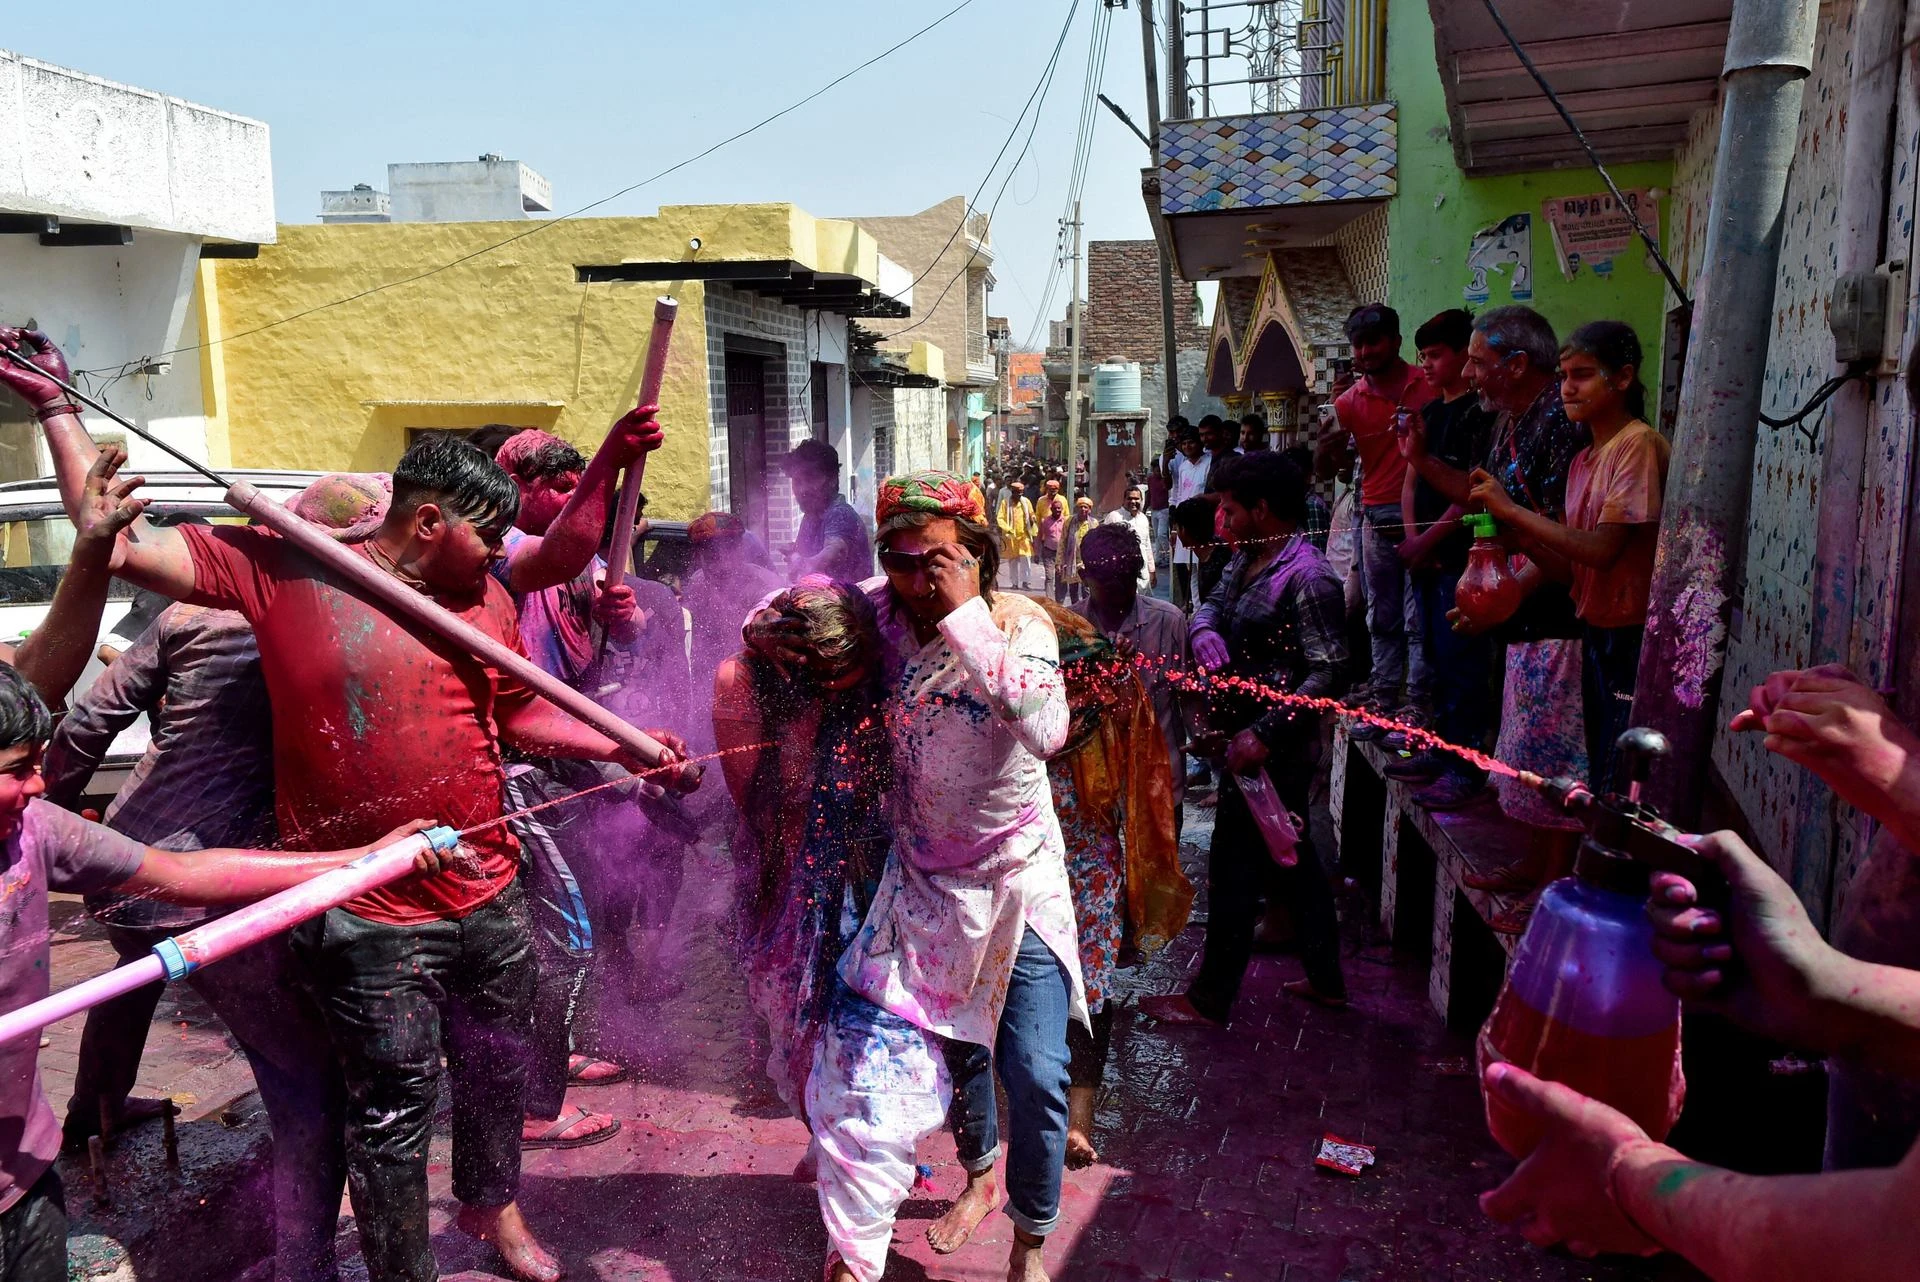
36, 540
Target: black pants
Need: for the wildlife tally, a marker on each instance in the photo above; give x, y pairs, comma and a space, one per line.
33, 1234
1182, 594
1463, 707
1087, 1051
258, 997
395, 998
1610, 662
1240, 872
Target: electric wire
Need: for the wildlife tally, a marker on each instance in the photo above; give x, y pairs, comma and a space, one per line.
541, 226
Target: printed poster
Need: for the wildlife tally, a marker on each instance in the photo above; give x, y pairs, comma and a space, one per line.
1591, 231
1506, 248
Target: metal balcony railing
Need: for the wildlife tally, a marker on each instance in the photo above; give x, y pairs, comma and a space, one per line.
1262, 57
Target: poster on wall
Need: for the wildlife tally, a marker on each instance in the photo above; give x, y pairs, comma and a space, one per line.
1505, 247
1591, 231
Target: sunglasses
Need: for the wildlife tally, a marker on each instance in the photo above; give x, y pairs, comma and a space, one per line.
902, 562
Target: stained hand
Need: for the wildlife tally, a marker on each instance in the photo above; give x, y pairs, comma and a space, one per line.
1761, 963
1468, 626
954, 574
428, 862
780, 639
32, 384
1488, 493
1210, 650
686, 775
616, 610
1831, 722
107, 505
635, 435
1246, 753
1561, 1193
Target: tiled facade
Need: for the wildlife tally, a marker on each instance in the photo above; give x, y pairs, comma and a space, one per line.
731, 311
1776, 621
1292, 158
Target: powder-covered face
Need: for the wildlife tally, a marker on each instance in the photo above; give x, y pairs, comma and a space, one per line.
20, 783
543, 498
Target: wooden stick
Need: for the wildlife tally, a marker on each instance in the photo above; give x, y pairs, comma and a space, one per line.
664, 311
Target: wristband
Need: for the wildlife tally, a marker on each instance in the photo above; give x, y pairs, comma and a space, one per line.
58, 408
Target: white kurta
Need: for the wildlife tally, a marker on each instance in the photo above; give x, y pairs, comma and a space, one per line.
977, 856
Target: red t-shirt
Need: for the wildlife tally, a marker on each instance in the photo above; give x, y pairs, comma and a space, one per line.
375, 722
1367, 412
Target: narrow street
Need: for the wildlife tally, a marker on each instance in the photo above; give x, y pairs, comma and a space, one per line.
1207, 1142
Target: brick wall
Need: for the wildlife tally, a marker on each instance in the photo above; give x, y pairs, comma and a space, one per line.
788, 398
1123, 304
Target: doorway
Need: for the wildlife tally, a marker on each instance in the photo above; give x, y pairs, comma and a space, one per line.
747, 439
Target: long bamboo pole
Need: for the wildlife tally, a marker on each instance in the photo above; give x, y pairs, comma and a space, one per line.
664, 311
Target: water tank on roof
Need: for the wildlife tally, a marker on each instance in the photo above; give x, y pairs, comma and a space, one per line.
1116, 387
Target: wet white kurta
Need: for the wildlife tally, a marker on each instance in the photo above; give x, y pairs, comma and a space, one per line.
977, 855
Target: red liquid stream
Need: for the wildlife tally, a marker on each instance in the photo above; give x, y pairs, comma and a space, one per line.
1640, 1076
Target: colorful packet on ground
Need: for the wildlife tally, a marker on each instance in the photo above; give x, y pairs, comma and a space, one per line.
1345, 1156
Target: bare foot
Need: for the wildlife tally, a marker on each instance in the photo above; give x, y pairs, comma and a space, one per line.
1024, 1262
976, 1202
837, 1271
1176, 1009
503, 1227
1305, 991
1080, 1150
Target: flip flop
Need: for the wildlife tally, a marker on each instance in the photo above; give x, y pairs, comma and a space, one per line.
555, 1136
581, 1071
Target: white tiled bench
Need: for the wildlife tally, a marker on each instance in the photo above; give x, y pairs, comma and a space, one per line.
1423, 859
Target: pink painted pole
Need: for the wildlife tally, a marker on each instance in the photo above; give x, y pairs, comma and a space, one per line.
405, 602
664, 311
183, 954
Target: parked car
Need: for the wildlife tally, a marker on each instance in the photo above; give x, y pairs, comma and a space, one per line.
36, 540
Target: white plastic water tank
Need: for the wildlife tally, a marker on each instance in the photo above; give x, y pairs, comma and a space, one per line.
1116, 387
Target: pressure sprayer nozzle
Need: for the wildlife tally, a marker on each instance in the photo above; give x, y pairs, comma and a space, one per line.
1568, 794
442, 837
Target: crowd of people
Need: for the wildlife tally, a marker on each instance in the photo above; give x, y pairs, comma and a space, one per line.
954, 746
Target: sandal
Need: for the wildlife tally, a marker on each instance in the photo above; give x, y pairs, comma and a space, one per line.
585, 1070
559, 1132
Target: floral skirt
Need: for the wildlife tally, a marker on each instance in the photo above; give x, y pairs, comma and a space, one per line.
1096, 871
1542, 728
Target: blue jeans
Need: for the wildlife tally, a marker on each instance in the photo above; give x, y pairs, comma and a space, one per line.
1399, 659
1032, 1059
1462, 668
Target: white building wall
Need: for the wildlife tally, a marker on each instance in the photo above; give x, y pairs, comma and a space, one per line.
919, 429
465, 191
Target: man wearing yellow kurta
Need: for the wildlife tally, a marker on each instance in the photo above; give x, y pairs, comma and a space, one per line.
1017, 528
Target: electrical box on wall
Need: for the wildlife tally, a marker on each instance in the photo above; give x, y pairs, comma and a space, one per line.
1857, 315
1893, 343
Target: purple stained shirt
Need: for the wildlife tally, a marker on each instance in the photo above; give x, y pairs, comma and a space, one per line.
53, 850
838, 521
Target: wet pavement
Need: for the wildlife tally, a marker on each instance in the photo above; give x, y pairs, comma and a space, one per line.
1207, 1139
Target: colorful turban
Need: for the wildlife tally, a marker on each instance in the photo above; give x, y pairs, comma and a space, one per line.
348, 505
935, 493
715, 525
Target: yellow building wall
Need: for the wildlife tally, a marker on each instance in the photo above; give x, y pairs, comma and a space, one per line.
508, 336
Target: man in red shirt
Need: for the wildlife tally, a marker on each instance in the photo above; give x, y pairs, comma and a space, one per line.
377, 718
1388, 394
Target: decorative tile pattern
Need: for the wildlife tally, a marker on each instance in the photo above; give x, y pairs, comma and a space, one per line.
1291, 158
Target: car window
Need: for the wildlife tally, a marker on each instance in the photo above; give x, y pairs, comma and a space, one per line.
34, 552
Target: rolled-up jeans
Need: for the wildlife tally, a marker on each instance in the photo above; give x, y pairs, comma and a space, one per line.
394, 998
1031, 1056
1393, 610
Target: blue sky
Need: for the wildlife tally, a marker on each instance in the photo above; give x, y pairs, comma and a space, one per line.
596, 95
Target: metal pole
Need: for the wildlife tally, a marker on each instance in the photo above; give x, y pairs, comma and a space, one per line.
1702, 527
1073, 380
1877, 33
1178, 107
1169, 351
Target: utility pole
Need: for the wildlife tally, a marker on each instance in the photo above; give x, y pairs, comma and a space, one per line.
1073, 380
1169, 352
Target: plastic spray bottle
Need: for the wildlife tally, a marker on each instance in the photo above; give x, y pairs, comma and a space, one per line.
1487, 589
1583, 1004
1270, 813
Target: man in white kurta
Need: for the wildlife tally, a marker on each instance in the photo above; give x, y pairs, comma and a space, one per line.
971, 935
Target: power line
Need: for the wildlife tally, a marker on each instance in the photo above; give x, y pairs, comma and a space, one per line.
1039, 93
539, 227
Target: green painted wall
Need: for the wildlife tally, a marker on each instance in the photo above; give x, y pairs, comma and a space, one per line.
1427, 244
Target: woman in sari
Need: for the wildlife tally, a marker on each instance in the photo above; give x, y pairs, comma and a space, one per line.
809, 778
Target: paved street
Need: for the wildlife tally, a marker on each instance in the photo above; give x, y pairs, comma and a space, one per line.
1206, 1138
